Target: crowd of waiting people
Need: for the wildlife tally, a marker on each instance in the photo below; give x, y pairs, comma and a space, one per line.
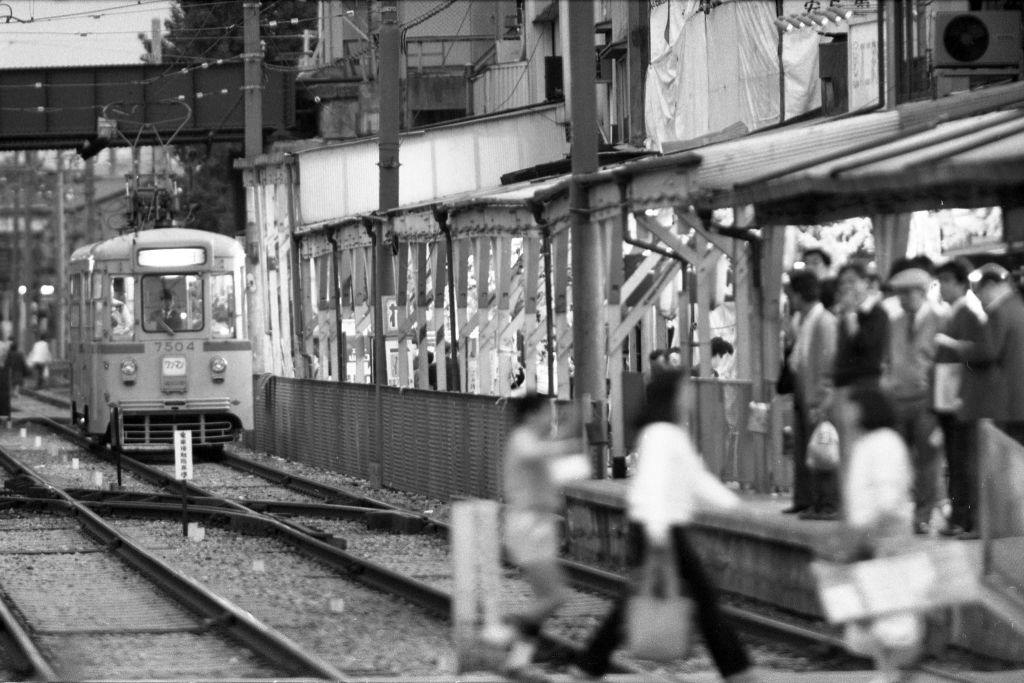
941, 344
903, 369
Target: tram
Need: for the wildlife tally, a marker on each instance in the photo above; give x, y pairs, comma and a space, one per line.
157, 340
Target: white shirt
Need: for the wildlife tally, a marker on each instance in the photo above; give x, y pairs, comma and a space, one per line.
879, 479
671, 483
805, 329
40, 354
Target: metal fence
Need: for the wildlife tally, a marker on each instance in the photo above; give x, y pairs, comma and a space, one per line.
445, 444
436, 444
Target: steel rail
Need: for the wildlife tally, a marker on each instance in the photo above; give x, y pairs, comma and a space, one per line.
282, 511
25, 649
302, 484
214, 609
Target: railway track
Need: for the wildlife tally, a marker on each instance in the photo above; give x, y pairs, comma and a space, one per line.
351, 522
417, 557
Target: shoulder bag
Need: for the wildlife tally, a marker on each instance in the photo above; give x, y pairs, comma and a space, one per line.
659, 618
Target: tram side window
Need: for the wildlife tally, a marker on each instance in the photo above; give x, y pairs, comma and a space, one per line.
172, 303
75, 309
99, 305
122, 305
222, 296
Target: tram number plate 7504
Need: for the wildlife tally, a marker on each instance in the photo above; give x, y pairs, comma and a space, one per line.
173, 366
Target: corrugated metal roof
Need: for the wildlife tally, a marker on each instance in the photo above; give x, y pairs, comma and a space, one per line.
976, 161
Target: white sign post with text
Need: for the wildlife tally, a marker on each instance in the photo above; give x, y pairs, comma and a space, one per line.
183, 470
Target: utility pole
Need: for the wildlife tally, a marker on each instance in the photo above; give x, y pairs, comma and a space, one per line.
253, 148
16, 264
60, 324
253, 88
387, 140
588, 332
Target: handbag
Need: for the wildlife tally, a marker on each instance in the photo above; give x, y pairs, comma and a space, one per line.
659, 617
786, 382
823, 447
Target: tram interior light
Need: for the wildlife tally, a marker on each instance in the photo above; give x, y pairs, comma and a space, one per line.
783, 25
838, 15
819, 19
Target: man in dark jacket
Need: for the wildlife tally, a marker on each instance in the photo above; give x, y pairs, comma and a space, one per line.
862, 341
958, 387
1001, 347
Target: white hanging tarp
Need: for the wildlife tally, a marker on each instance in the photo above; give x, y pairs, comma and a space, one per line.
712, 70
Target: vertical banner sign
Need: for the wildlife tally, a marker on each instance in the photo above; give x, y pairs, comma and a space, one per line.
183, 470
183, 455
862, 61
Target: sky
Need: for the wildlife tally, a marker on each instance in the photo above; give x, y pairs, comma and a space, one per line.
75, 32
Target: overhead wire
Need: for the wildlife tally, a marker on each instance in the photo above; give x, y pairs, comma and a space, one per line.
130, 8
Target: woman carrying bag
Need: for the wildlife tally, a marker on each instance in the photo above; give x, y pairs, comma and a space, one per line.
670, 486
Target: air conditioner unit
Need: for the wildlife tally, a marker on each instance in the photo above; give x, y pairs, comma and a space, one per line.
977, 39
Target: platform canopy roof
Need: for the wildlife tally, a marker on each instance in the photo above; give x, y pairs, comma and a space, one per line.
946, 153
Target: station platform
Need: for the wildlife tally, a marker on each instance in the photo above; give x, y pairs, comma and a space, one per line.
759, 553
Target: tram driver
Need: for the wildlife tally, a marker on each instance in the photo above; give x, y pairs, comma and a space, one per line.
168, 316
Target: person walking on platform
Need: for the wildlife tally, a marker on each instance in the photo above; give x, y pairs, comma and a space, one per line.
1001, 348
670, 486
908, 379
39, 359
536, 463
811, 362
878, 509
959, 388
862, 342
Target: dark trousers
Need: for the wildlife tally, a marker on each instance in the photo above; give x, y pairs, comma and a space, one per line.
961, 440
719, 635
802, 478
40, 369
814, 489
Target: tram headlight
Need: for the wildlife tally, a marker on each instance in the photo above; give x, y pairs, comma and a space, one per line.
218, 366
129, 369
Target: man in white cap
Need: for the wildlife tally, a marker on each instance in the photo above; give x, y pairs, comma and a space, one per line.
907, 379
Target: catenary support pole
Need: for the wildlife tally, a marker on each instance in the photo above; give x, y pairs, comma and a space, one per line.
387, 140
253, 100
587, 290
60, 324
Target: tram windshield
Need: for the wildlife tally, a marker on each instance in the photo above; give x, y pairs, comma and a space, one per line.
172, 303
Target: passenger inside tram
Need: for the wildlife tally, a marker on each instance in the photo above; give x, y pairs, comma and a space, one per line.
121, 303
